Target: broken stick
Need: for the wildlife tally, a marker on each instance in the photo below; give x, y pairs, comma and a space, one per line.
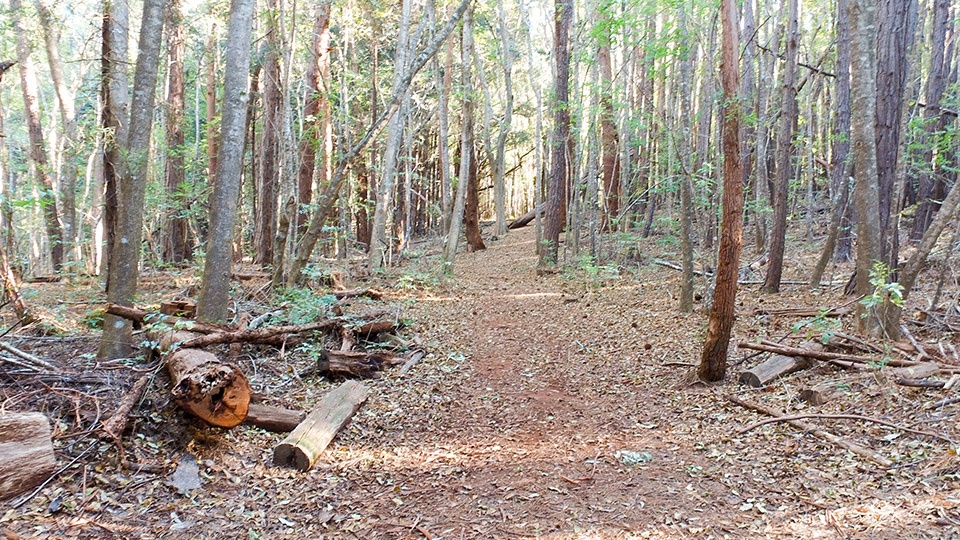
819, 433
301, 448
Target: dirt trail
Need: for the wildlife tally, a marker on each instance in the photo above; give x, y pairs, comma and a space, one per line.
557, 424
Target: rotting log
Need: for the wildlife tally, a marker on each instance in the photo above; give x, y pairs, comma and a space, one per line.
204, 386
26, 452
829, 390
274, 419
772, 368
364, 365
919, 371
304, 445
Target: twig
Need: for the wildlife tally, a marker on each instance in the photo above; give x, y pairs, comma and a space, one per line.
37, 362
412, 361
819, 433
921, 352
759, 423
945, 402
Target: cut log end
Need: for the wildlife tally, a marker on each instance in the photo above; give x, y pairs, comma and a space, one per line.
26, 452
288, 455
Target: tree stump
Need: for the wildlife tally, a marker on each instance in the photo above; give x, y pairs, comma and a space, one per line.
26, 452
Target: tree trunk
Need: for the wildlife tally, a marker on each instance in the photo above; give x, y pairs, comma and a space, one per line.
116, 112
784, 170
556, 191
380, 243
125, 256
500, 162
936, 86
38, 151
268, 179
839, 165
471, 211
215, 290
210, 80
177, 245
686, 174
713, 362
895, 22
863, 93
466, 141
316, 107
69, 140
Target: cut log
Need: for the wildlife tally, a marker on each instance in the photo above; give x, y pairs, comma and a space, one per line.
772, 368
204, 386
179, 308
378, 327
301, 448
26, 452
273, 419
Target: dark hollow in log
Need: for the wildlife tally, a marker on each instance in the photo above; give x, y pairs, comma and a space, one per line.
304, 445
208, 388
26, 452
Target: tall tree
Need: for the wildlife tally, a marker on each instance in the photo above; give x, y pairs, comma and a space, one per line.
177, 245
896, 22
784, 170
115, 94
316, 109
268, 178
556, 190
863, 94
500, 161
132, 185
38, 150
466, 141
686, 174
70, 139
215, 290
379, 240
932, 118
840, 145
713, 361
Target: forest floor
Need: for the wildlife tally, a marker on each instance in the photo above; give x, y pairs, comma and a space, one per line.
549, 406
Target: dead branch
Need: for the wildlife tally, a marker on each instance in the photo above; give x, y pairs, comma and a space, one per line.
117, 423
818, 355
819, 433
33, 360
859, 417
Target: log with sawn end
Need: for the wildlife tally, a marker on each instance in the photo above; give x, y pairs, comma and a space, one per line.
274, 419
305, 444
26, 452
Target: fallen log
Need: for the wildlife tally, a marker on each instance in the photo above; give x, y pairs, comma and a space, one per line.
772, 368
26, 452
525, 219
216, 392
274, 419
919, 371
362, 365
828, 391
117, 423
258, 335
304, 445
819, 433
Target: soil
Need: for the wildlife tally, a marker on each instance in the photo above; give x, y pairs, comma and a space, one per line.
548, 406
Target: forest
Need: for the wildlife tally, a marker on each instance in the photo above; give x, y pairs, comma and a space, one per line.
522, 262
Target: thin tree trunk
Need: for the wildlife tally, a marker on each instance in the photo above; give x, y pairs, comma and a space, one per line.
936, 86
713, 361
686, 174
177, 246
315, 109
116, 112
500, 162
380, 243
210, 79
38, 152
466, 141
784, 170
268, 178
556, 191
214, 298
69, 141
